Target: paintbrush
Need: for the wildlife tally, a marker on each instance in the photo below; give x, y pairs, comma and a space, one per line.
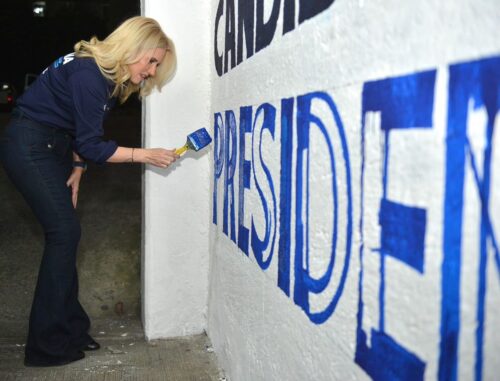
195, 141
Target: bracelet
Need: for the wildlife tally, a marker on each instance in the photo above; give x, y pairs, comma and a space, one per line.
80, 164
133, 154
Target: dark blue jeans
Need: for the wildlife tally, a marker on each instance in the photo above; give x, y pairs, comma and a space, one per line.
38, 160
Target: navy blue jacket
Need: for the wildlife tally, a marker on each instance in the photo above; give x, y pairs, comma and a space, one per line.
72, 94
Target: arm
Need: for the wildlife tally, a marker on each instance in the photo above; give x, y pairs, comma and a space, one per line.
90, 93
77, 158
158, 157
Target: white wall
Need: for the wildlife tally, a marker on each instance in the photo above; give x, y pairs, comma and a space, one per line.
176, 200
400, 88
392, 318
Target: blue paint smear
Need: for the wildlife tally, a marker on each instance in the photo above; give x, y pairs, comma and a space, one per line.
403, 233
404, 102
304, 283
285, 205
244, 177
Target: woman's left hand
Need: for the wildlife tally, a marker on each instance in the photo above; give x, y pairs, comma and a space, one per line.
74, 183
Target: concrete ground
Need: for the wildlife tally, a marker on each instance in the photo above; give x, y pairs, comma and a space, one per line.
124, 355
109, 272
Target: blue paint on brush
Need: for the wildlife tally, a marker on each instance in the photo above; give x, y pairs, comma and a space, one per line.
199, 139
195, 141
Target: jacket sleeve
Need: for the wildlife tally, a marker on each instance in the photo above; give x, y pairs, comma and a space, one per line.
90, 97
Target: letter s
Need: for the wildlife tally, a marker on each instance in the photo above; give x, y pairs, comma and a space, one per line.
259, 246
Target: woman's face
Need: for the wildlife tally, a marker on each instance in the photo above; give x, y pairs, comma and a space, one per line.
146, 66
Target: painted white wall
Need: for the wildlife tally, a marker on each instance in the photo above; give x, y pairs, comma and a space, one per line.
176, 200
260, 333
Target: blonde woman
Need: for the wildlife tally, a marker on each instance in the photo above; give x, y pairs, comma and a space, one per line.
55, 128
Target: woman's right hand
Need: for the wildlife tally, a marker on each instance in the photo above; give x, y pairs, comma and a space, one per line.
159, 157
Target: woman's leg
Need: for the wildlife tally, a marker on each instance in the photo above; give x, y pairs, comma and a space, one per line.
38, 161
78, 318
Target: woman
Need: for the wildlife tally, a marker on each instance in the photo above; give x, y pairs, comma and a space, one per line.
55, 128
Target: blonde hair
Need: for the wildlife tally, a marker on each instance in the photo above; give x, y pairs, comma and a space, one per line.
126, 45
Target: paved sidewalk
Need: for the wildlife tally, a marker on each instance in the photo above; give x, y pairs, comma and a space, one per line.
124, 355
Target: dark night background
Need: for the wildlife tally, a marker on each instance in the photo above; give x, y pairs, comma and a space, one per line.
29, 43
110, 199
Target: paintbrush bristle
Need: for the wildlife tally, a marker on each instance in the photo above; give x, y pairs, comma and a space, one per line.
199, 139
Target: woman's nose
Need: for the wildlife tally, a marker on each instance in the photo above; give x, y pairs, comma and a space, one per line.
152, 71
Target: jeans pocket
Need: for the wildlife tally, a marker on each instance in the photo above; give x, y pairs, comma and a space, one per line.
39, 142
42, 144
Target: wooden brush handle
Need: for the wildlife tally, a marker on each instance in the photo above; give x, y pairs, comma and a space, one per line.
180, 151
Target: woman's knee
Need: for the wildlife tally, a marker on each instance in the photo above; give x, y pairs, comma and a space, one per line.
66, 231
